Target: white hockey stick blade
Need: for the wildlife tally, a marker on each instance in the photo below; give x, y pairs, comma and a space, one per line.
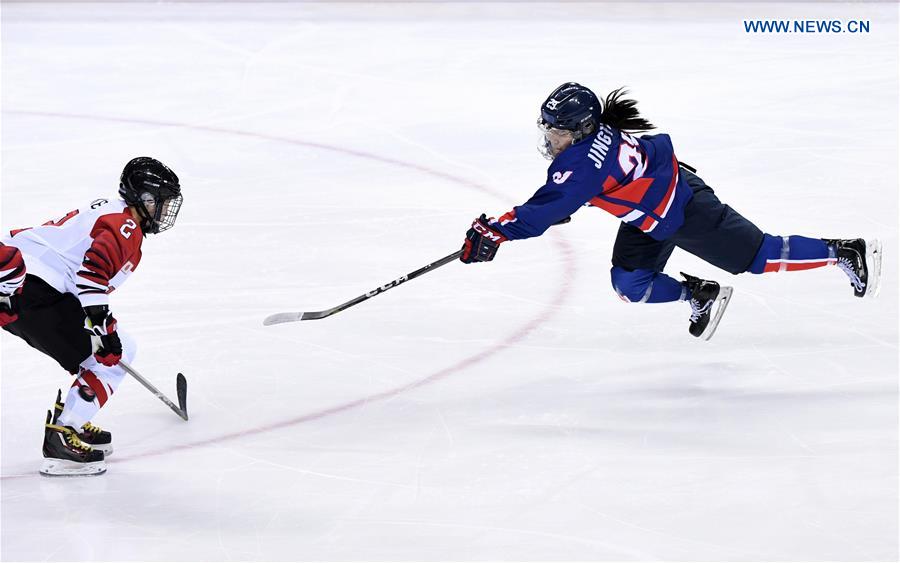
873, 260
721, 304
65, 468
279, 318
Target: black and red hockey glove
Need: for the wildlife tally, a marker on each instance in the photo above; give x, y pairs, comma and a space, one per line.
102, 324
482, 241
8, 312
12, 280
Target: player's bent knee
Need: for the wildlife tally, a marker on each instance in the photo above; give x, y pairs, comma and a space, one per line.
632, 285
772, 247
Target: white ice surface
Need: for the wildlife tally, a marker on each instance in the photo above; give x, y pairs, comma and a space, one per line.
512, 410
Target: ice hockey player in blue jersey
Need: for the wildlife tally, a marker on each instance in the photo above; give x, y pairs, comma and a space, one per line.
599, 162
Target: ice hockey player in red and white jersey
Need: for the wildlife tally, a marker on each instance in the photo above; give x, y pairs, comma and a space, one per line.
55, 282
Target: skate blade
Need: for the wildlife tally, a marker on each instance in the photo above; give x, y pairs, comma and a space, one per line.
722, 302
873, 260
65, 468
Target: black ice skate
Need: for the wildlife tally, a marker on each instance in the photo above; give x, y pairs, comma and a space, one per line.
65, 455
92, 435
708, 302
861, 261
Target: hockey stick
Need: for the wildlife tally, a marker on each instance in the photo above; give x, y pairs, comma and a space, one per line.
279, 318
180, 387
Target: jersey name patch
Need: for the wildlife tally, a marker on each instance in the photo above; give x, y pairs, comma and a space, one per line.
600, 146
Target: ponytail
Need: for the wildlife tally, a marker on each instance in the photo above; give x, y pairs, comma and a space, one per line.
623, 114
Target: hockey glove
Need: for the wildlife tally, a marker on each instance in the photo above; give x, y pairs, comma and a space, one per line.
482, 241
8, 313
100, 323
12, 279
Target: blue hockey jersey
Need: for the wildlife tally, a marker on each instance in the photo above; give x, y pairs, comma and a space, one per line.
635, 179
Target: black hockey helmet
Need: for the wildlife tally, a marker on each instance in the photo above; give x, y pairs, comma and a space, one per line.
571, 107
153, 189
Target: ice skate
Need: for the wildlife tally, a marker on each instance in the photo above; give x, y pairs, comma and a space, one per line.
708, 302
65, 455
92, 435
861, 261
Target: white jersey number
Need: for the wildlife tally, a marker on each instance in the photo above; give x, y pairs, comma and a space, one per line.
127, 228
631, 158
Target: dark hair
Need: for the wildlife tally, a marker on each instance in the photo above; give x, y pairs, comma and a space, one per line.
622, 113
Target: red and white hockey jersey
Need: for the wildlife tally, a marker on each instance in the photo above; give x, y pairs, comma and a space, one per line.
88, 252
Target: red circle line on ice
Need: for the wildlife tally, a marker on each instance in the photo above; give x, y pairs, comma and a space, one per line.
564, 286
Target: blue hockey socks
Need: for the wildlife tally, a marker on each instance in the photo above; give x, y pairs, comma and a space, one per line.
788, 254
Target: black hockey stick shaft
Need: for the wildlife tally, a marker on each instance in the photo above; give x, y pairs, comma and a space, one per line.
315, 315
181, 385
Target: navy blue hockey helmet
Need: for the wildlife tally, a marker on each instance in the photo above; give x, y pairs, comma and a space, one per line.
152, 188
572, 107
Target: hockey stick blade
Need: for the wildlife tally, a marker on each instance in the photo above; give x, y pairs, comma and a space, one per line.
279, 318
181, 391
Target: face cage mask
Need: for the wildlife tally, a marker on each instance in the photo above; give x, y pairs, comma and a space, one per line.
160, 217
543, 145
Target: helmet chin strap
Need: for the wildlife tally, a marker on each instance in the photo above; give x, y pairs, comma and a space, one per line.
140, 213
